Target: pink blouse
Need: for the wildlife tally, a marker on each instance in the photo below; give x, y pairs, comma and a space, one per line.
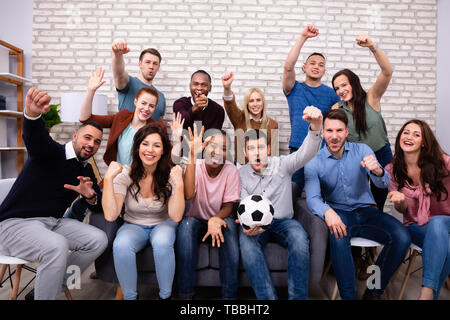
421, 207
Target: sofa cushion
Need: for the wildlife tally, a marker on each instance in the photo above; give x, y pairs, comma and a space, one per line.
276, 257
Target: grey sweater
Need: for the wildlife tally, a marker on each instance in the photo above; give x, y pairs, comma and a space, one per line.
275, 181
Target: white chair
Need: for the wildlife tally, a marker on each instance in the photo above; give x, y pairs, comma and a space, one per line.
6, 261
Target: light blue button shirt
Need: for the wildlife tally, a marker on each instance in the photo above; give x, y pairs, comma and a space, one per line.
341, 183
125, 143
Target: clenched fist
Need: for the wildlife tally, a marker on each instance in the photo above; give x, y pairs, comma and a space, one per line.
114, 169
363, 40
120, 47
227, 79
371, 163
36, 102
310, 31
313, 115
176, 176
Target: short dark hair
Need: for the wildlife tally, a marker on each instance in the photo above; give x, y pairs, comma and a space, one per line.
91, 123
203, 72
254, 134
336, 114
152, 51
315, 54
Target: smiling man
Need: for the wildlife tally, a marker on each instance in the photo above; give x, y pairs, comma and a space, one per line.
338, 191
198, 107
311, 92
31, 224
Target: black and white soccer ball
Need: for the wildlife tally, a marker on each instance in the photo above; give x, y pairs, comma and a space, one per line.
255, 210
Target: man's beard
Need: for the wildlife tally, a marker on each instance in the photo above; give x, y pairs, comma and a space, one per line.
79, 155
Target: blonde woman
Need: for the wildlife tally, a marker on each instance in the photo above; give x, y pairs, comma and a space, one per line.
252, 116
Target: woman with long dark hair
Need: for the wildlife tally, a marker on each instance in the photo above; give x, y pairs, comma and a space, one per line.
153, 194
419, 189
363, 109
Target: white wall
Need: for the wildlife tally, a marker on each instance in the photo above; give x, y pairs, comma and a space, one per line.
443, 75
16, 28
249, 37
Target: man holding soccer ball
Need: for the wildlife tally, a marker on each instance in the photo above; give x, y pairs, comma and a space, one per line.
271, 178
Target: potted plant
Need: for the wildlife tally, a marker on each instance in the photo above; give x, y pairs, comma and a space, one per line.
52, 117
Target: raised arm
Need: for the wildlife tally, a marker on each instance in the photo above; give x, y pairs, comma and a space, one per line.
234, 113
379, 87
120, 75
176, 201
176, 128
311, 144
95, 82
111, 202
35, 135
288, 81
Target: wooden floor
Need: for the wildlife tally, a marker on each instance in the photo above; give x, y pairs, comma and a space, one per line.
99, 290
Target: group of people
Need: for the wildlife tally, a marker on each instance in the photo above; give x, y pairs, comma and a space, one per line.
174, 192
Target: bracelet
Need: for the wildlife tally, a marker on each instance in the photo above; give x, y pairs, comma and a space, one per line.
228, 97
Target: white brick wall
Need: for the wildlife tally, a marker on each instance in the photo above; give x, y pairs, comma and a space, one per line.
249, 37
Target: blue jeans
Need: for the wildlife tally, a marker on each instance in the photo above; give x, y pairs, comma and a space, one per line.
290, 234
132, 238
375, 225
384, 156
190, 231
77, 210
434, 240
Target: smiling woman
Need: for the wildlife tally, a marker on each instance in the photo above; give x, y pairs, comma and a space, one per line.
153, 194
419, 189
252, 116
123, 124
363, 109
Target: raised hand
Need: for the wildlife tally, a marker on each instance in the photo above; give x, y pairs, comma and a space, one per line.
120, 47
196, 146
371, 163
363, 40
227, 79
310, 31
215, 225
36, 102
313, 115
84, 188
176, 176
114, 169
176, 126
96, 79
